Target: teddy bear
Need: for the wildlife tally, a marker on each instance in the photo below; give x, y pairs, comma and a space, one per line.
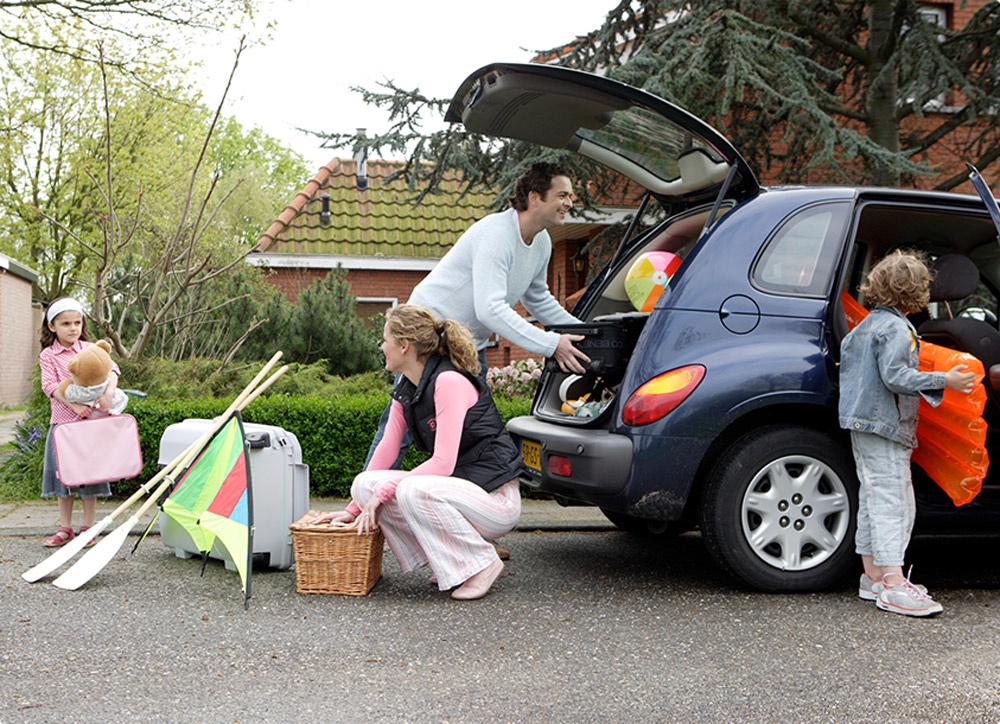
90, 370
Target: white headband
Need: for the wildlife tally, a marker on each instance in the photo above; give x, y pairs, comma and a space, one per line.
62, 305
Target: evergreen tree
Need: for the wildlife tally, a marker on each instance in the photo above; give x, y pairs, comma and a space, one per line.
323, 325
808, 90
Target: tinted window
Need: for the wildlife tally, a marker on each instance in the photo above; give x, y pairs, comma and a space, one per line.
651, 141
801, 256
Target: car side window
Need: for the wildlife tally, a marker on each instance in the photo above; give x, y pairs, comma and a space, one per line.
800, 257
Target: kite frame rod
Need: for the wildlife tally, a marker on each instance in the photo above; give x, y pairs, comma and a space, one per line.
101, 554
70, 549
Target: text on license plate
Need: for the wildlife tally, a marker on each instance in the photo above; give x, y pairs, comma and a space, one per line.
531, 454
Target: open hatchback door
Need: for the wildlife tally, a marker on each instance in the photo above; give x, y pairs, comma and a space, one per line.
986, 195
659, 146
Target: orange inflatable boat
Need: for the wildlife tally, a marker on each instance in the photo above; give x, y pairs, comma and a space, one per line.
951, 437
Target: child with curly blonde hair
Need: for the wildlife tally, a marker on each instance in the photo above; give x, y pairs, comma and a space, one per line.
880, 391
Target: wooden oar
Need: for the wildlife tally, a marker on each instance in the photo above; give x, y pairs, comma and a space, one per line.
101, 554
68, 551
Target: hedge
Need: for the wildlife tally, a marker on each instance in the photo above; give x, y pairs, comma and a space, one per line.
334, 432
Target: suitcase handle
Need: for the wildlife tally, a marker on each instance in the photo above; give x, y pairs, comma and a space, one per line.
258, 440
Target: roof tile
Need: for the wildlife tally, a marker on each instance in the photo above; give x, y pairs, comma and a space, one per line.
380, 220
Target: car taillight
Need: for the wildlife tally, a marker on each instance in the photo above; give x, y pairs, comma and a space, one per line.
559, 465
661, 395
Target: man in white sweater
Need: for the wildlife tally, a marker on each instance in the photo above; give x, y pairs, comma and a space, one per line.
499, 261
503, 259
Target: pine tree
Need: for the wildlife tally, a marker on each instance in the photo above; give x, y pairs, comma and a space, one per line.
808, 90
855, 91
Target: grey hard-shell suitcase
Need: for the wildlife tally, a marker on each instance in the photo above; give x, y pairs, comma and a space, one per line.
280, 483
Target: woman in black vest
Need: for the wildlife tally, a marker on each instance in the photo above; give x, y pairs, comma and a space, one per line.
441, 512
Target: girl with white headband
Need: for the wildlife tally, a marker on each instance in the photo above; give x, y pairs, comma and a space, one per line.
64, 335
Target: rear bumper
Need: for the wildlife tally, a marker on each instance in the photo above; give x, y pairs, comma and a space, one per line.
601, 461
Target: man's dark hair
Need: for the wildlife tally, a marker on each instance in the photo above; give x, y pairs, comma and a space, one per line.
538, 178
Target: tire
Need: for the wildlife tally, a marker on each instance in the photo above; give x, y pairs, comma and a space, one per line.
779, 510
642, 527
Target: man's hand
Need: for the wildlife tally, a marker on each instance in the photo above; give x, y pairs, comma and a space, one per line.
568, 356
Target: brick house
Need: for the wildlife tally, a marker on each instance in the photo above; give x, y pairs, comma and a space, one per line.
20, 321
386, 244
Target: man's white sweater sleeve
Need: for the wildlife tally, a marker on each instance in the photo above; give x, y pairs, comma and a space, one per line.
490, 270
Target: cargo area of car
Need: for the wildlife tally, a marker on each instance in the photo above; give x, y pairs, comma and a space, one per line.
611, 326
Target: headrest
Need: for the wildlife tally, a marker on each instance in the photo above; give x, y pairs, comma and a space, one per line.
955, 277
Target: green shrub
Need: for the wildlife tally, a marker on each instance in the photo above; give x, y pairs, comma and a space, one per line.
169, 380
21, 472
334, 426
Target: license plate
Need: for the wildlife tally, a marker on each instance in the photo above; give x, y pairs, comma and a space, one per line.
531, 454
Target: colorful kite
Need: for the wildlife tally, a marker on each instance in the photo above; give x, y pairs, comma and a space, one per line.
212, 499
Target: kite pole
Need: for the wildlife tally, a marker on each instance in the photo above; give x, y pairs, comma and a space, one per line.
69, 550
101, 554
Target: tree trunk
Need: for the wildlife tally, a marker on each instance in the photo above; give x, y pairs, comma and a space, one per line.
883, 92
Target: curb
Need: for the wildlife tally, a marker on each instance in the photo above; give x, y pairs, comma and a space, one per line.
41, 517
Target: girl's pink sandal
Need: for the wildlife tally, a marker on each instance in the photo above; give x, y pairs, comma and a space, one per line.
61, 537
84, 529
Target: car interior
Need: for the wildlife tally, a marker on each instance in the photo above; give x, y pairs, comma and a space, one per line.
586, 397
965, 256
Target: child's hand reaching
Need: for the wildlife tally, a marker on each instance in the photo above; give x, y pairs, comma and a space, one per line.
958, 379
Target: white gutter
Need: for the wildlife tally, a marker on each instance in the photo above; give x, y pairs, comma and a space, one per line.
332, 261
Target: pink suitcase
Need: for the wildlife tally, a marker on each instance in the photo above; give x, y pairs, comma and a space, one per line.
97, 450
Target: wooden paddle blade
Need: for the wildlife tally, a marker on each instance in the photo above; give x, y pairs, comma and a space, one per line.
96, 558
64, 553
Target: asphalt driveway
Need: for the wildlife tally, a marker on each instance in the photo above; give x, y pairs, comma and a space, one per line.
585, 626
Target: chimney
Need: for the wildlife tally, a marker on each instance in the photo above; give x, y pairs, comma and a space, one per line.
361, 160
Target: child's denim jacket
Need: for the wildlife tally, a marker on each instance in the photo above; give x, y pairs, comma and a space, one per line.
880, 381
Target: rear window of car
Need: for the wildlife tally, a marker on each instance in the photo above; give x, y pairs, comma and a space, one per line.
800, 256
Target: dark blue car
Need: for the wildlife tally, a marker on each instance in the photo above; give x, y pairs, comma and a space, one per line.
717, 409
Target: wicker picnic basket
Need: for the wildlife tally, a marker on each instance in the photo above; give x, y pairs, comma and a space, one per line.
329, 559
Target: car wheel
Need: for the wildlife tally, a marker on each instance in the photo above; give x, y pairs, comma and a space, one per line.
779, 510
642, 526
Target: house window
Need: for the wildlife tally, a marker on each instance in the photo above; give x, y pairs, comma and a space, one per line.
368, 307
935, 15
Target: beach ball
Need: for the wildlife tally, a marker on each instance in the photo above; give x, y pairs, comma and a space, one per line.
648, 277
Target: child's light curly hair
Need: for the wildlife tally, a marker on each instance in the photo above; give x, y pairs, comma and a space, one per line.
900, 279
